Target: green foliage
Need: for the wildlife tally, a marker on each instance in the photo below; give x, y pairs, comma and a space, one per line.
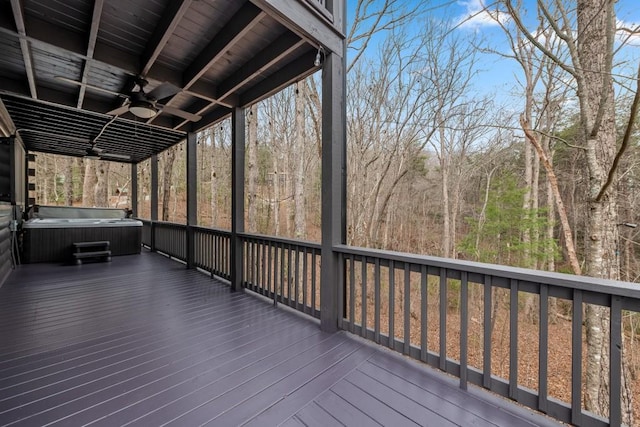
498, 237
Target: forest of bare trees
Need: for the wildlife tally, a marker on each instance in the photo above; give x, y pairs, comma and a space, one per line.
436, 166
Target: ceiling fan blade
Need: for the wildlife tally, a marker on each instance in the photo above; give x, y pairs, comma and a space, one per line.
88, 86
120, 110
163, 91
179, 113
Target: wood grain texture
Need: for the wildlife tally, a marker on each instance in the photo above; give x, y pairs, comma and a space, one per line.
144, 341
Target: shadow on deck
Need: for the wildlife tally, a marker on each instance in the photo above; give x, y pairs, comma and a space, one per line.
144, 341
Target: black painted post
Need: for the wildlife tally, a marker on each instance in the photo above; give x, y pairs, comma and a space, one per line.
333, 187
154, 199
237, 195
192, 195
133, 193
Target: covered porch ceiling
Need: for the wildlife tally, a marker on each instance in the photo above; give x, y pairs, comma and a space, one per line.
70, 70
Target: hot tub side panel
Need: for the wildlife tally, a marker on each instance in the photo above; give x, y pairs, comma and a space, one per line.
56, 244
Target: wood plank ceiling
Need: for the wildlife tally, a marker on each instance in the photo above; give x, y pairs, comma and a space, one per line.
65, 62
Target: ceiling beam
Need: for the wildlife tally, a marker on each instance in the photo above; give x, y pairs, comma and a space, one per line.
264, 59
18, 17
169, 21
296, 70
273, 53
305, 22
66, 43
240, 24
91, 45
210, 118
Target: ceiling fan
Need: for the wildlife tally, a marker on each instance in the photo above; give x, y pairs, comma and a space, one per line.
142, 104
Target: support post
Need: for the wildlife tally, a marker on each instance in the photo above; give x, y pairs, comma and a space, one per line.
237, 196
192, 195
133, 193
154, 199
333, 187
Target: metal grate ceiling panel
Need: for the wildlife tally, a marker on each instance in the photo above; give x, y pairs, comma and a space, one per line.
70, 131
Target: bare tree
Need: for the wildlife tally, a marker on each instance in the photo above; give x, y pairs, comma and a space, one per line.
252, 168
299, 199
167, 181
101, 193
89, 182
588, 34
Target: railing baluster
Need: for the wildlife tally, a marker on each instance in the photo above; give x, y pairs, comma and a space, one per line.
392, 304
443, 319
376, 295
464, 328
352, 294
363, 332
315, 255
486, 356
576, 359
297, 278
543, 350
513, 340
254, 266
289, 275
407, 308
424, 319
305, 281
271, 272
615, 361
281, 293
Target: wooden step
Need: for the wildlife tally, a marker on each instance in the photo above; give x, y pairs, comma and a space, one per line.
102, 255
102, 243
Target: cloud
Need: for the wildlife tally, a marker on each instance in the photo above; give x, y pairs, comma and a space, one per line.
628, 33
477, 16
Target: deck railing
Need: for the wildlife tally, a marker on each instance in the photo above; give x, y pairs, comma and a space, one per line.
284, 270
212, 251
391, 298
468, 319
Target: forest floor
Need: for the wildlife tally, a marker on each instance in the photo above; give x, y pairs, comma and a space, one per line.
559, 355
559, 347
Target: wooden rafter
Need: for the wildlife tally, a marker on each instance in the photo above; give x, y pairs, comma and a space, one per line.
239, 25
91, 45
18, 17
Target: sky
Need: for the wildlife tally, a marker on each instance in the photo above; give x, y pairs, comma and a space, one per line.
498, 75
471, 17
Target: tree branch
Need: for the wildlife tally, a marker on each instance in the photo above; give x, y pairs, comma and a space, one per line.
536, 43
553, 181
625, 140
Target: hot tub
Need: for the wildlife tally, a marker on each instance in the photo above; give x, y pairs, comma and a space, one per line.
51, 239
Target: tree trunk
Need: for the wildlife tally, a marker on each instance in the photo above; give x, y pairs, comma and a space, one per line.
68, 181
101, 193
167, 176
300, 219
213, 133
88, 184
444, 176
596, 20
252, 169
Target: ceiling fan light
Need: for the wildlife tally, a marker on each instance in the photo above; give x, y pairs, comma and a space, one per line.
143, 109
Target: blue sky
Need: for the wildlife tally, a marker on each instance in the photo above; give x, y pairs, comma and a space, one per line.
499, 75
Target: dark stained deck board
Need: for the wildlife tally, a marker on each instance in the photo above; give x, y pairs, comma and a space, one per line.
144, 341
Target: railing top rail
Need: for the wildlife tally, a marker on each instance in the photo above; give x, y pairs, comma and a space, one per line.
585, 283
212, 229
283, 240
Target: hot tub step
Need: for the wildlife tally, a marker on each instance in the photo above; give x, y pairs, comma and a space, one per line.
102, 243
98, 250
102, 255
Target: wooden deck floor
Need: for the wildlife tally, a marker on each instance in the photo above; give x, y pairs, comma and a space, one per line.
143, 341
